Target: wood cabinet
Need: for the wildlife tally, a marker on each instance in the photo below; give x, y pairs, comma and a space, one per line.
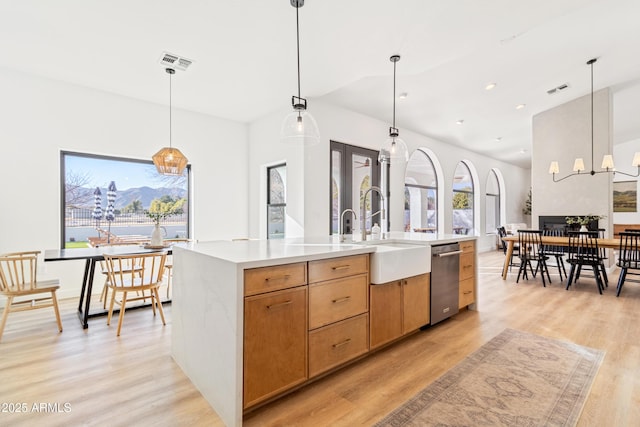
338, 311
467, 274
397, 308
275, 343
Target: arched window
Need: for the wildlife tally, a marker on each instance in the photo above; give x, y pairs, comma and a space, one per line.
462, 200
420, 194
492, 206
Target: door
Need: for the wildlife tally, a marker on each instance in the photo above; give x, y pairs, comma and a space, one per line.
353, 171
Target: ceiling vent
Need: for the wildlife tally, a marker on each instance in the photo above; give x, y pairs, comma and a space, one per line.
174, 61
557, 89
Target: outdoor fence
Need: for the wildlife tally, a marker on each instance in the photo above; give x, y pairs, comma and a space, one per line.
81, 217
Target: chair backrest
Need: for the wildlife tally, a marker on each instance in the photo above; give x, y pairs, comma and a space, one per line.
149, 268
583, 246
554, 249
18, 271
629, 253
502, 233
530, 244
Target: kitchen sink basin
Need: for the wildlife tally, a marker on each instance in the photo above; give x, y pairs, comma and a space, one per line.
394, 261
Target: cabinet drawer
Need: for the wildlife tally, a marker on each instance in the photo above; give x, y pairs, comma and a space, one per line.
337, 299
334, 268
468, 246
467, 265
267, 279
467, 294
338, 343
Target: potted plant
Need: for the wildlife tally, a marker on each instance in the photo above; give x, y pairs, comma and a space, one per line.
583, 221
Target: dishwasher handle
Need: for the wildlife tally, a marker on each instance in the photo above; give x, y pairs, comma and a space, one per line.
444, 254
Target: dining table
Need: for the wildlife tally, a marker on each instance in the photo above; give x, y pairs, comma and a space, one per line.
92, 256
606, 243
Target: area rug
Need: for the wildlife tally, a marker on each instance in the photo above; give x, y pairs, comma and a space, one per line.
516, 379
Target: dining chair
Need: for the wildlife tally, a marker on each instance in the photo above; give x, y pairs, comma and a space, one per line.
19, 283
531, 250
105, 287
583, 252
628, 258
502, 232
123, 281
558, 252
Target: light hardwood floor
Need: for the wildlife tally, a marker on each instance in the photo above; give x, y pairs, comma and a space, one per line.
132, 380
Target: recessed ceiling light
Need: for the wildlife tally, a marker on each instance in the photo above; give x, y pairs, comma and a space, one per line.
498, 138
459, 122
403, 95
490, 86
520, 106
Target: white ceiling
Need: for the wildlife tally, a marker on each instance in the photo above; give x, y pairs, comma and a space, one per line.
245, 63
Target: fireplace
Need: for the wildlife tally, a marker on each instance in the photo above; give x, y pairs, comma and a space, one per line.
560, 223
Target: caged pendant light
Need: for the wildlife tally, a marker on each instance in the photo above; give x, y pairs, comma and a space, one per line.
394, 149
169, 160
299, 126
607, 160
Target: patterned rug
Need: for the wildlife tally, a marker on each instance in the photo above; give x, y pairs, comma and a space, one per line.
516, 379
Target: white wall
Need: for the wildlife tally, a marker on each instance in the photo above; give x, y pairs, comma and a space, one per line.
623, 155
40, 117
309, 204
562, 134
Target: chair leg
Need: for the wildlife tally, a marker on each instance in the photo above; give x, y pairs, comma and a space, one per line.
561, 263
113, 301
523, 264
5, 315
623, 275
157, 298
599, 282
122, 309
604, 274
570, 278
56, 310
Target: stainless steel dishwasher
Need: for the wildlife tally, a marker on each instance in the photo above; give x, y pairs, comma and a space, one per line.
445, 267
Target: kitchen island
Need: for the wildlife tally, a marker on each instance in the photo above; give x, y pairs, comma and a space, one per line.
220, 289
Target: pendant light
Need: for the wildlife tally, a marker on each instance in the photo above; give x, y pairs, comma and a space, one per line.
169, 160
394, 149
299, 126
607, 160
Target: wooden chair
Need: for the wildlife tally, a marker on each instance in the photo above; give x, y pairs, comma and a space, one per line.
18, 271
105, 288
557, 252
583, 252
531, 250
123, 281
629, 257
502, 232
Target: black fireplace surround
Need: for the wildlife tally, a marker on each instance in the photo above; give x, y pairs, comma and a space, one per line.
560, 223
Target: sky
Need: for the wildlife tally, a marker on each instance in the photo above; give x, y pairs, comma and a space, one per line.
126, 174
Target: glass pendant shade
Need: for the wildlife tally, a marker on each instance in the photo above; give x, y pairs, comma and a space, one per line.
394, 150
170, 161
299, 127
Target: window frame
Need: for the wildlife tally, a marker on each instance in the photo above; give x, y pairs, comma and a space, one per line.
270, 205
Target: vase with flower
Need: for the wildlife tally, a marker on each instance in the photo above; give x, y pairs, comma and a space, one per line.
583, 221
157, 236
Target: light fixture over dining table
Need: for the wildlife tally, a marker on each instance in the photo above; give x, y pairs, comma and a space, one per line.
607, 161
170, 160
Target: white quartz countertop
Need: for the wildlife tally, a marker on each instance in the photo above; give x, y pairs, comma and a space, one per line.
262, 253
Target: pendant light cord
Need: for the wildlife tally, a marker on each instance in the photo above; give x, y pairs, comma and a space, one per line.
170, 73
298, 46
592, 169
394, 93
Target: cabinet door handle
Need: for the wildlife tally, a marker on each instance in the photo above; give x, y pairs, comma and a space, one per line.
340, 344
272, 279
467, 292
343, 299
279, 304
340, 267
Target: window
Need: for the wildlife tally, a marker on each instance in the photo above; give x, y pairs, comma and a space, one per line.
276, 201
353, 171
462, 200
420, 194
492, 207
106, 196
